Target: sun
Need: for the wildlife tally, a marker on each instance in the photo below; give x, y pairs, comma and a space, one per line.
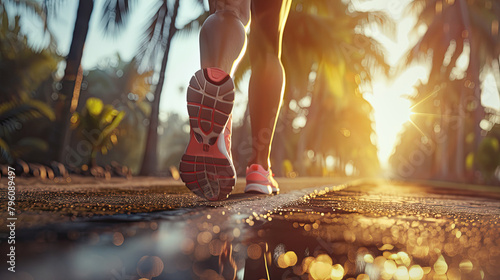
392, 108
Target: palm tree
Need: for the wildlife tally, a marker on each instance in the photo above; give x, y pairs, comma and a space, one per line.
341, 60
157, 41
14, 114
71, 81
150, 160
22, 70
456, 28
114, 17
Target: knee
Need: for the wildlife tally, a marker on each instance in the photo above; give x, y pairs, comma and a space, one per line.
262, 44
232, 15
232, 10
224, 18
264, 39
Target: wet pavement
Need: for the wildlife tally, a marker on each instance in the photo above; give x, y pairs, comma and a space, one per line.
368, 229
40, 202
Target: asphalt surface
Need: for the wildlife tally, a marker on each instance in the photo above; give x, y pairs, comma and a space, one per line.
42, 202
317, 229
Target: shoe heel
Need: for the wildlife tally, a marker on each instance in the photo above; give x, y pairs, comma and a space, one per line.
210, 100
203, 175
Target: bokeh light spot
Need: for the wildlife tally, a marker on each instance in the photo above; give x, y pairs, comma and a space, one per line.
254, 251
118, 239
150, 266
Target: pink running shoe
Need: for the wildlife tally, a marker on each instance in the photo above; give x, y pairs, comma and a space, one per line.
207, 166
260, 180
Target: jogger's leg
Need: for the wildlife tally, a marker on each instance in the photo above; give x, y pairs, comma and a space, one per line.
206, 166
267, 80
223, 36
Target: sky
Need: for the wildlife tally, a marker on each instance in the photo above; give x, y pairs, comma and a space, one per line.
391, 108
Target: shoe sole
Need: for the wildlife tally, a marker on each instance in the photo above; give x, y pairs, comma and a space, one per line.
260, 188
205, 169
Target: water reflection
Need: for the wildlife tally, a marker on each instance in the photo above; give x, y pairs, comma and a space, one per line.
341, 235
343, 248
308, 244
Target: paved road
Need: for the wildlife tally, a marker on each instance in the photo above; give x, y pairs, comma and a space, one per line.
47, 202
369, 229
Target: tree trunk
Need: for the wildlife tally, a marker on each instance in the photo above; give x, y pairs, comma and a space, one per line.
473, 74
150, 160
312, 119
443, 146
71, 82
460, 149
305, 136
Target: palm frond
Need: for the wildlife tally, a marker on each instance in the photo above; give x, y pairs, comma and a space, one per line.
5, 152
106, 132
14, 113
115, 15
421, 7
194, 25
52, 7
42, 108
152, 40
33, 9
30, 7
31, 143
27, 145
381, 20
446, 26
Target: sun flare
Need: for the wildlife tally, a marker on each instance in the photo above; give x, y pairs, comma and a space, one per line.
392, 108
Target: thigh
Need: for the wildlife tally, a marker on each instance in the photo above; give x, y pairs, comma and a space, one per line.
268, 22
241, 8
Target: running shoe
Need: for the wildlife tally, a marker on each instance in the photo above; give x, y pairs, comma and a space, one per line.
207, 167
260, 180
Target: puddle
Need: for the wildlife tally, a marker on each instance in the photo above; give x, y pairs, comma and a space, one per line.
338, 235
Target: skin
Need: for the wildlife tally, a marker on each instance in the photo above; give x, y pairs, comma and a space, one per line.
223, 42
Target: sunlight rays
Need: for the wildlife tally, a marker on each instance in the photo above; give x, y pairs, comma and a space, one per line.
417, 128
433, 115
425, 99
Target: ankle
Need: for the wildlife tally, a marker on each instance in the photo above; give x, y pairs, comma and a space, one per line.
264, 164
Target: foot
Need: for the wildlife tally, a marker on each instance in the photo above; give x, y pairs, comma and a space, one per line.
260, 180
207, 166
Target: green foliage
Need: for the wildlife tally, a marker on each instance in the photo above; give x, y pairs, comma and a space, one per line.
459, 23
22, 69
339, 124
115, 79
14, 114
488, 155
98, 120
115, 15
119, 83
328, 61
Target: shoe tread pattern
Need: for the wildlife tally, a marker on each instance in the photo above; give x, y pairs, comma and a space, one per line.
210, 178
209, 106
